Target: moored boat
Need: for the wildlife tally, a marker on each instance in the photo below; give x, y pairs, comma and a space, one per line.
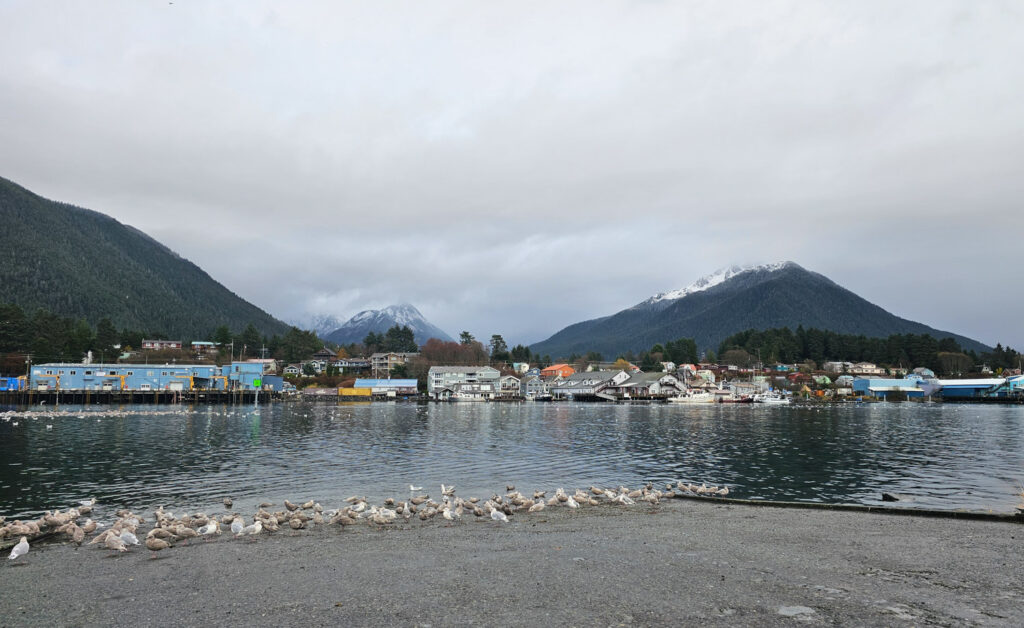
462, 396
771, 397
693, 396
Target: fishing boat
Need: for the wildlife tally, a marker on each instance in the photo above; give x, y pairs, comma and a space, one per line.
771, 397
693, 396
734, 398
464, 396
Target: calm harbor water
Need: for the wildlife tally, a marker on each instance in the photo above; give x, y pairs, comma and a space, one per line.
952, 456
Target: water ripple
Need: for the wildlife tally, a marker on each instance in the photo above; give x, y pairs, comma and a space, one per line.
191, 457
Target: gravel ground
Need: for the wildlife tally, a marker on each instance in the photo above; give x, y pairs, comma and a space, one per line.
683, 563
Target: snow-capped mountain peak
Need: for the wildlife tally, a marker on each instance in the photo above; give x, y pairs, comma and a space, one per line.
714, 279
379, 321
404, 314
320, 324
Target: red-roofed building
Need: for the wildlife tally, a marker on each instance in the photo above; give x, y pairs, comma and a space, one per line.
557, 370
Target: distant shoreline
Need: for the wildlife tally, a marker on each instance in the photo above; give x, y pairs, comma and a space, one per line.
79, 398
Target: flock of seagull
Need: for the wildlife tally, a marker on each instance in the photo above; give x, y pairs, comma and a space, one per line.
168, 529
14, 418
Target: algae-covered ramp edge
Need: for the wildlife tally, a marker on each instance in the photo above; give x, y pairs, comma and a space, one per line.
1010, 517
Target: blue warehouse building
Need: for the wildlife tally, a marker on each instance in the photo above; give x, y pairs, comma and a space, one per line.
12, 384
881, 388
151, 377
971, 388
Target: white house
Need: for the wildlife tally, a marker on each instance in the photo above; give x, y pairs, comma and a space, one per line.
590, 384
382, 363
532, 386
442, 381
867, 368
508, 386
649, 385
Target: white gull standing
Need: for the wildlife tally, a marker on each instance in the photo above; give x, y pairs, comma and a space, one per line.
20, 549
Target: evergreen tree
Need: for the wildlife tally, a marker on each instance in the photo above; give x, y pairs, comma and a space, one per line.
520, 353
106, 338
222, 336
14, 328
498, 349
249, 341
399, 340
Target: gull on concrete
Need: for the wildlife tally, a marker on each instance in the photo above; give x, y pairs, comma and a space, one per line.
128, 538
20, 549
498, 515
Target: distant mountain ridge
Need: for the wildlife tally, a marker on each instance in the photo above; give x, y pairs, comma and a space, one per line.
735, 299
379, 321
321, 325
80, 263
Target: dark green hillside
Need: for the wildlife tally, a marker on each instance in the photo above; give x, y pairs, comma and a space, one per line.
757, 299
82, 264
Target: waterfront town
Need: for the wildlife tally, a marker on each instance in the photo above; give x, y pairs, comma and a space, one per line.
388, 375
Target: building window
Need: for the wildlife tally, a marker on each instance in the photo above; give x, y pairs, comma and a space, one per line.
131, 372
49, 372
88, 372
74, 372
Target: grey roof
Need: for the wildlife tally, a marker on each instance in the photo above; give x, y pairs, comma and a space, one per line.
592, 378
585, 376
460, 369
644, 378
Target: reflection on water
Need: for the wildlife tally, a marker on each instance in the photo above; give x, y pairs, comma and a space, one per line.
191, 457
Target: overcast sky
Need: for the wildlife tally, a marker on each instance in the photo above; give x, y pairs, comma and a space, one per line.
516, 167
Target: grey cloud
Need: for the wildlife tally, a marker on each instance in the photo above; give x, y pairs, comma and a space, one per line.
516, 168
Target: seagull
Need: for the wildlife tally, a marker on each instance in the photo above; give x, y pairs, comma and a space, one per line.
115, 543
497, 515
237, 526
154, 545
128, 538
255, 528
210, 528
20, 549
413, 489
